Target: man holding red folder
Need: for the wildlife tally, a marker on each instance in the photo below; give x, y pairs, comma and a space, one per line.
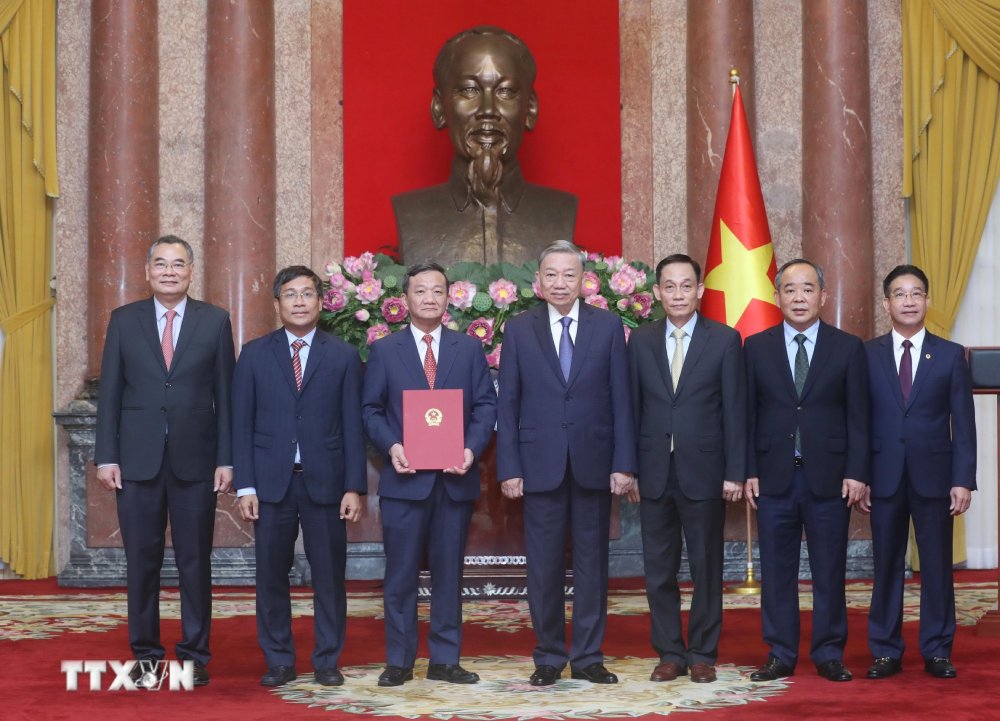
426, 508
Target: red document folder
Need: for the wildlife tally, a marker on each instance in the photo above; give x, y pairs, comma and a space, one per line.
433, 429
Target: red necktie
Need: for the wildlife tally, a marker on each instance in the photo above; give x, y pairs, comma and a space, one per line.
297, 362
167, 341
906, 371
430, 363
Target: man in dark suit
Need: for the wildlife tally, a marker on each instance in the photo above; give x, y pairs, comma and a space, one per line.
690, 404
299, 456
426, 509
923, 467
807, 385
163, 445
565, 442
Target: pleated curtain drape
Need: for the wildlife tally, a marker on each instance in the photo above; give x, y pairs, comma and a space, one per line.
28, 185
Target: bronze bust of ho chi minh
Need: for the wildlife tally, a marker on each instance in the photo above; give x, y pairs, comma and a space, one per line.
486, 212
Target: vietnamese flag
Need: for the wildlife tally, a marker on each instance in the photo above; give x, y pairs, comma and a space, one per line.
740, 267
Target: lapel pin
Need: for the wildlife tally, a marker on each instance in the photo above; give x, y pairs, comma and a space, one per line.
927, 356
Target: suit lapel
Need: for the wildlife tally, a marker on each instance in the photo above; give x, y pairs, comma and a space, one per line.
925, 367
147, 322
283, 356
658, 340
699, 340
317, 352
777, 335
815, 369
447, 350
584, 334
887, 362
189, 326
409, 356
544, 337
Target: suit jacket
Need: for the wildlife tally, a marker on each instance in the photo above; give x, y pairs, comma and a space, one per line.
270, 417
832, 415
395, 365
543, 418
933, 436
140, 399
705, 415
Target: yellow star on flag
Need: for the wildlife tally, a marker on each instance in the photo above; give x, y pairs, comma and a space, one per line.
742, 274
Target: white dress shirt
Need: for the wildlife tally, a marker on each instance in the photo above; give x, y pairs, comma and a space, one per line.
418, 337
688, 329
792, 346
897, 348
556, 326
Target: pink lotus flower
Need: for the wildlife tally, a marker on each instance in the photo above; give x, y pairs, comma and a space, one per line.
334, 300
503, 292
377, 332
628, 332
482, 329
357, 266
614, 262
446, 318
622, 282
591, 284
639, 276
332, 269
537, 289
493, 357
640, 304
461, 293
394, 309
622, 304
593, 256
369, 290
337, 280
598, 301
362, 315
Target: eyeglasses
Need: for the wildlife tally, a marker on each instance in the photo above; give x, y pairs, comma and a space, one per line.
900, 295
305, 295
178, 266
685, 288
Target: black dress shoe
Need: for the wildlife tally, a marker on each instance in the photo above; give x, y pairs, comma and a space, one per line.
450, 672
395, 676
884, 667
595, 673
834, 671
544, 676
200, 674
329, 676
772, 671
940, 667
278, 676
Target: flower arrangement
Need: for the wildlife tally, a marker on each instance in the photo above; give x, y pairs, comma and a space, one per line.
363, 298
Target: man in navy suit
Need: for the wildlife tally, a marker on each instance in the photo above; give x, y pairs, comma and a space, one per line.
690, 403
807, 388
163, 445
565, 442
426, 509
923, 467
299, 456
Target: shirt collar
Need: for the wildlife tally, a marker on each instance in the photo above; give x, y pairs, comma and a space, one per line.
810, 333
917, 339
308, 337
555, 316
688, 327
512, 185
418, 335
161, 309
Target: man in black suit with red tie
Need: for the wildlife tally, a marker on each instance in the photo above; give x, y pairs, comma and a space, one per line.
299, 459
807, 389
690, 403
923, 467
163, 445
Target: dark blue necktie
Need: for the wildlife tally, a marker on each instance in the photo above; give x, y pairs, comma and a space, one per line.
565, 348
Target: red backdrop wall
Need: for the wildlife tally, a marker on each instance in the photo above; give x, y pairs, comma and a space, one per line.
391, 146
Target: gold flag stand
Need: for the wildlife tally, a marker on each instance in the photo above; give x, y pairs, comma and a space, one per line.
750, 586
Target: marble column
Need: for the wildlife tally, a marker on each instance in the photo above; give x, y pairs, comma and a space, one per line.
240, 166
836, 158
719, 37
123, 160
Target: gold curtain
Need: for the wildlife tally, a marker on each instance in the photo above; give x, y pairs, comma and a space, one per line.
951, 161
27, 187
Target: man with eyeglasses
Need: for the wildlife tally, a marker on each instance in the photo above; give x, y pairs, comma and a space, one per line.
690, 404
299, 458
923, 468
163, 446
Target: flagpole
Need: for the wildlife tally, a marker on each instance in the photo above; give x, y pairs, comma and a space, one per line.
750, 585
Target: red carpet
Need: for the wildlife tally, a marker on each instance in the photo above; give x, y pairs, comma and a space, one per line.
40, 625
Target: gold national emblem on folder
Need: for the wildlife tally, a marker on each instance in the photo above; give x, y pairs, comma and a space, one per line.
433, 416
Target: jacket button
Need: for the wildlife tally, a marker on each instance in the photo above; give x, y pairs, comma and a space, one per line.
166, 385
791, 436
163, 409
565, 425
798, 408
294, 441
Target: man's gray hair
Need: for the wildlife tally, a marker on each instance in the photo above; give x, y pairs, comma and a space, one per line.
563, 246
799, 261
170, 240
